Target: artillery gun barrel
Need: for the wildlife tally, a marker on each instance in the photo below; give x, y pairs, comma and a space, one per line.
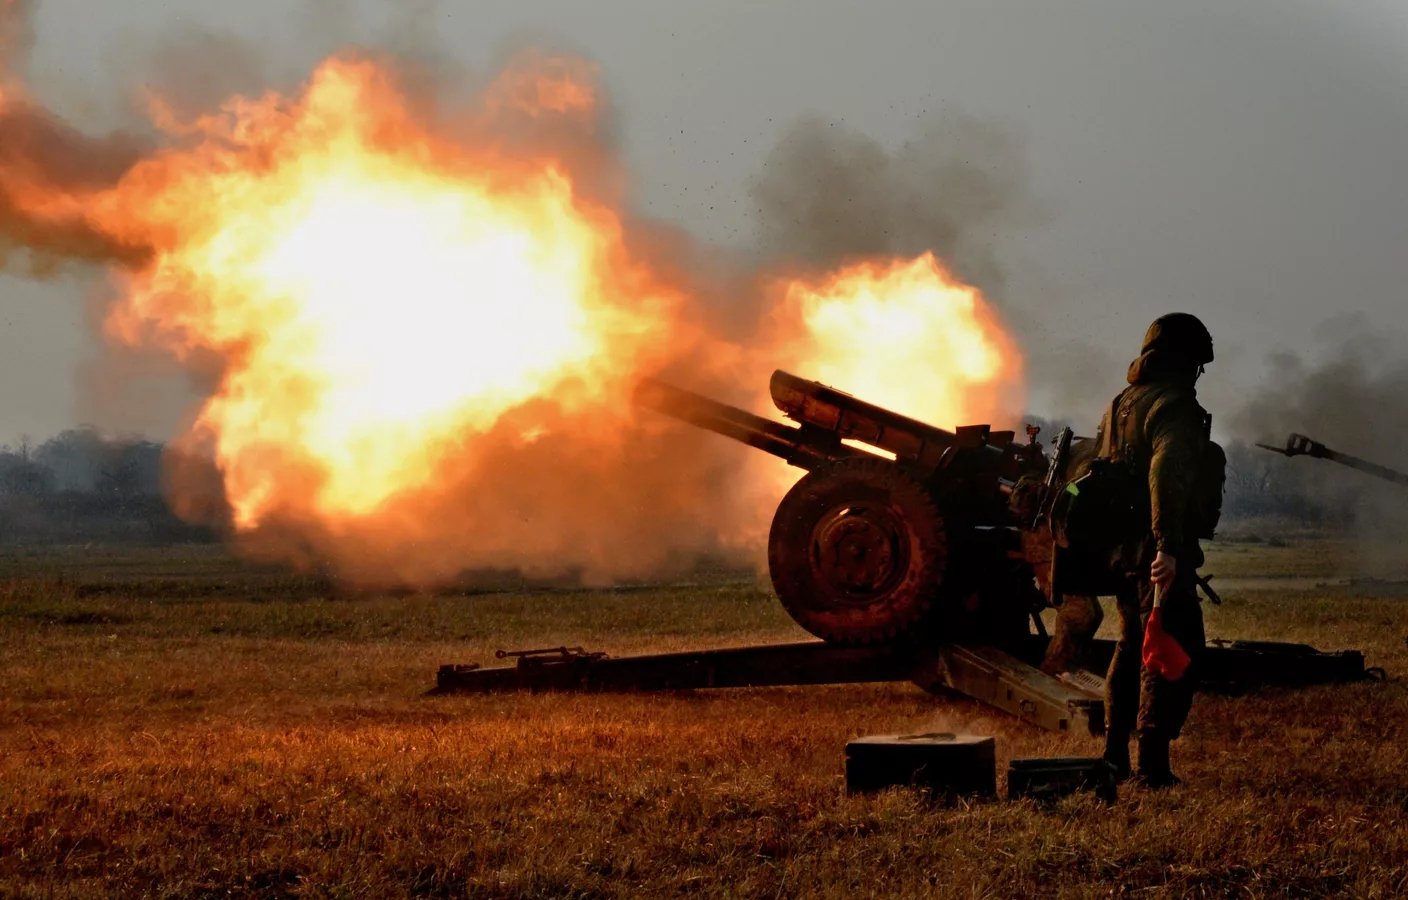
804, 447
1300, 445
837, 412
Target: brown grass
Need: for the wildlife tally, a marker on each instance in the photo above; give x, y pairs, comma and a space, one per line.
176, 723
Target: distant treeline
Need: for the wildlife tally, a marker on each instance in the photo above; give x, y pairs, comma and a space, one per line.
81, 486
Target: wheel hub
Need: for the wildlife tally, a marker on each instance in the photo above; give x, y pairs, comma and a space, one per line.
858, 550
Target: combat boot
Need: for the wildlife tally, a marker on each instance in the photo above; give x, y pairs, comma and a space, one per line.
1117, 753
1154, 771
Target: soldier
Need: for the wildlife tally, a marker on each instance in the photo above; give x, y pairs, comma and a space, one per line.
1156, 428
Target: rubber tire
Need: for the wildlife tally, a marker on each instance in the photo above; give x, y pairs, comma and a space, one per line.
879, 506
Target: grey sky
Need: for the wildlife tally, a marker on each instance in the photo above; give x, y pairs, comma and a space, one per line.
1242, 160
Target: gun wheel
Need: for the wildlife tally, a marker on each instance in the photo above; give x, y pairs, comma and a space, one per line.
857, 552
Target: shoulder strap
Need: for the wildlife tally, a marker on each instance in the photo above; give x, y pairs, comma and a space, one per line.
1108, 443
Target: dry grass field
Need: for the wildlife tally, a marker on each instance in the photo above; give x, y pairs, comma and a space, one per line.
177, 723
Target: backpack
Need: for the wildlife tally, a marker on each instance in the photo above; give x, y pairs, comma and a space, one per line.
1100, 518
1205, 505
1097, 521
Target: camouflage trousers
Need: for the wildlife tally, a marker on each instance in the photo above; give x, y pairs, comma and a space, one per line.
1137, 699
1077, 619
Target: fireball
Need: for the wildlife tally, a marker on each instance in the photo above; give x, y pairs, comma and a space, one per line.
420, 334
903, 334
378, 296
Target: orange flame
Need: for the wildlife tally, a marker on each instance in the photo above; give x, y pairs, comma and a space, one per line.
425, 343
375, 293
903, 334
540, 85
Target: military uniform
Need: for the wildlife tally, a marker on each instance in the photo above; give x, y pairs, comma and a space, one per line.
1078, 618
1157, 428
1078, 615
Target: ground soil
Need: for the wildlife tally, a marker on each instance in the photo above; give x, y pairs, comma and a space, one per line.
175, 722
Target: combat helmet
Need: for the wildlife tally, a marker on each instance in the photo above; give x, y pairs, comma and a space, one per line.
1180, 333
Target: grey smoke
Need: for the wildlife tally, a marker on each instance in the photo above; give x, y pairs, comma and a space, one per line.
828, 193
1356, 400
1353, 398
16, 33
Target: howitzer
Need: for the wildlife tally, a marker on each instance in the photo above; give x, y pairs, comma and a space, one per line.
1300, 445
903, 540
908, 549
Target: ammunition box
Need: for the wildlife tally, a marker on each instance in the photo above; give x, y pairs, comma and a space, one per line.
943, 765
1047, 779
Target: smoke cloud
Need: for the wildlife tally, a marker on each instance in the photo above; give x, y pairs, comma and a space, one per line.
1357, 400
1354, 400
40, 154
553, 486
16, 34
828, 193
